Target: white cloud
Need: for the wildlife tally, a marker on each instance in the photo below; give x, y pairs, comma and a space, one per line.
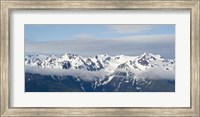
150, 38
130, 45
83, 36
157, 73
130, 28
83, 74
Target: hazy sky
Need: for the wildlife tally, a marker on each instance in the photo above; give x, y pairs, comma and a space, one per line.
92, 39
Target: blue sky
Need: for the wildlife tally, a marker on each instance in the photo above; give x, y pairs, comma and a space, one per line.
92, 39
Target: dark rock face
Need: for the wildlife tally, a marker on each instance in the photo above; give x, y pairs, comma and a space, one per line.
123, 66
143, 62
40, 83
122, 82
163, 85
119, 84
66, 65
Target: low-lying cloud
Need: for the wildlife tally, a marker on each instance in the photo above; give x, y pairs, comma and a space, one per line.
86, 45
157, 73
83, 74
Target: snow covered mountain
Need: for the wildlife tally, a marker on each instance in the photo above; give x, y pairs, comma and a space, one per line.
99, 62
103, 72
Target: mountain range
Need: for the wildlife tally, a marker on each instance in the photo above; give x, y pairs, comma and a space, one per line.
101, 73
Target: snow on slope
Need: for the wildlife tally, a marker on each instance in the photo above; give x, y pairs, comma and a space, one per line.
144, 65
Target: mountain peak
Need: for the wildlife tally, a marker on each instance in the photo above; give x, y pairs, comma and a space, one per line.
124, 66
100, 62
150, 56
69, 54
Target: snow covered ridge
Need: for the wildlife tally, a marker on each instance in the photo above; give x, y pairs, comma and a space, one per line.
99, 62
147, 63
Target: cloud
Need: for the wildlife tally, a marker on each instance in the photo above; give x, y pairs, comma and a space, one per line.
157, 73
126, 29
130, 45
83, 36
150, 38
83, 74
